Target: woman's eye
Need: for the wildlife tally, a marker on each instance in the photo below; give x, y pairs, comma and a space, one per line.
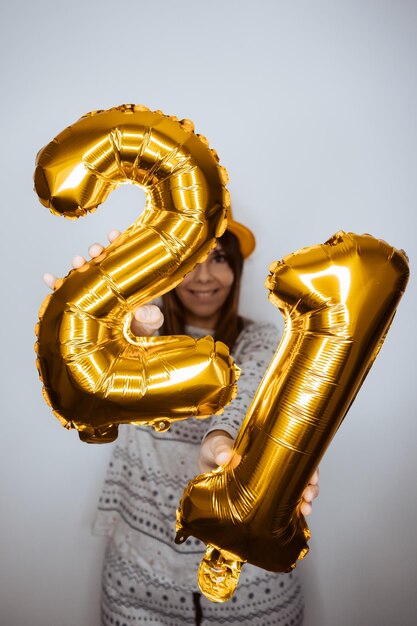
220, 258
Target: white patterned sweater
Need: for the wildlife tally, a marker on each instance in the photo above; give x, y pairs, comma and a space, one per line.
149, 471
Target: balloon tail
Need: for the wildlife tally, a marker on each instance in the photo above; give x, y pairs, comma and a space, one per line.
218, 574
103, 434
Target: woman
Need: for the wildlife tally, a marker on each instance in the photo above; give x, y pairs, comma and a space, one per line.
147, 578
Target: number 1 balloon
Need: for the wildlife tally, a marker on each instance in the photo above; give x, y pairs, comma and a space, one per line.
96, 373
338, 300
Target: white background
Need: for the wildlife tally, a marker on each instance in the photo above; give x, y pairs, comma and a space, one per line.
312, 109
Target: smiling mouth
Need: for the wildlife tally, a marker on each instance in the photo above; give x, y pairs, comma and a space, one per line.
203, 295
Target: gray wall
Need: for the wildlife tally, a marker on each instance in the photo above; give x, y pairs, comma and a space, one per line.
312, 109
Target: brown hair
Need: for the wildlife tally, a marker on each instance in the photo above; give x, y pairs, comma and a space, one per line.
230, 323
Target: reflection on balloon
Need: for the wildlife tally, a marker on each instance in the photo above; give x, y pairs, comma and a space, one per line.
338, 300
96, 373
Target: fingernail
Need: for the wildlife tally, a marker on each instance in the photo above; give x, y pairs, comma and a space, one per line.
49, 279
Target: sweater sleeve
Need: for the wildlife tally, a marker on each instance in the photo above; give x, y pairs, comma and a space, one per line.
254, 349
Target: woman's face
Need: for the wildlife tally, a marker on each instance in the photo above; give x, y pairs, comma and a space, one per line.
204, 290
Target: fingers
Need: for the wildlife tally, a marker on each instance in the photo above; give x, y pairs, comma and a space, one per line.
146, 320
113, 234
306, 508
215, 450
49, 280
222, 454
310, 493
78, 261
314, 480
95, 250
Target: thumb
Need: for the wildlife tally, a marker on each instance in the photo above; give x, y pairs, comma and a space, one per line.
222, 452
146, 320
150, 315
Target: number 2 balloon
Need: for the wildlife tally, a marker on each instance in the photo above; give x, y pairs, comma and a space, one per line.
96, 373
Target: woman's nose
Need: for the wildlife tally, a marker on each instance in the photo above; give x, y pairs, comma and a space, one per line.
202, 272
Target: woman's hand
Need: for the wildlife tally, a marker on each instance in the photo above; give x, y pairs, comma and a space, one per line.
216, 450
146, 320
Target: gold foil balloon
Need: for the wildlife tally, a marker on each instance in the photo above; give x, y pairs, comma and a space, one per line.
338, 300
96, 374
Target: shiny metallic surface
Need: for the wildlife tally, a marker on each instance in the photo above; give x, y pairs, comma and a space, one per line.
338, 300
96, 373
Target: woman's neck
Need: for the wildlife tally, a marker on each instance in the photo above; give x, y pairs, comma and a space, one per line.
201, 322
